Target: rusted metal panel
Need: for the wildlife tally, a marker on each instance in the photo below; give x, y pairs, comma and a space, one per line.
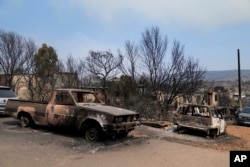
195, 119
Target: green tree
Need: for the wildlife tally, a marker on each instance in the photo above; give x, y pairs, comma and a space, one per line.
46, 60
127, 86
46, 68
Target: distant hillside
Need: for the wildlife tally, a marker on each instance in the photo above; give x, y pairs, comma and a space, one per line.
227, 75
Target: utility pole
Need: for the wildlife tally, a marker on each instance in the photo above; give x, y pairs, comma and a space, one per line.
239, 81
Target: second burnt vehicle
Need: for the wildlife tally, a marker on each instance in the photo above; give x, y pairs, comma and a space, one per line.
200, 117
75, 108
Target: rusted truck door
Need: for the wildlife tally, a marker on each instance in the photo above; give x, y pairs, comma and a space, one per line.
60, 111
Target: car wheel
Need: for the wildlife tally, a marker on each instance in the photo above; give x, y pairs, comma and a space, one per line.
25, 120
213, 134
92, 134
178, 128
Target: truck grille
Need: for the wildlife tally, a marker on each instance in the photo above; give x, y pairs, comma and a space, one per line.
121, 119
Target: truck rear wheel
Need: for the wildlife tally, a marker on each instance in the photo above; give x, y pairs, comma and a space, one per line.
26, 120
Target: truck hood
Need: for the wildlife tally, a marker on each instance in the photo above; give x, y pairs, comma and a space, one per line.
116, 111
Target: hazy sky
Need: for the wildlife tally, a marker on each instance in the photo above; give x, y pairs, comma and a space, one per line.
211, 30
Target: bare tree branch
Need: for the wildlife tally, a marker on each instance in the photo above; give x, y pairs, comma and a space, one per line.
131, 55
13, 51
29, 69
184, 75
103, 65
153, 49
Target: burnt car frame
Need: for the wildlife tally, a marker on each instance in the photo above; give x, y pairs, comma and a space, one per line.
202, 118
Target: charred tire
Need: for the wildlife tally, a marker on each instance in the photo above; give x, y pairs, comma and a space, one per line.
93, 133
123, 134
225, 132
213, 133
26, 120
178, 128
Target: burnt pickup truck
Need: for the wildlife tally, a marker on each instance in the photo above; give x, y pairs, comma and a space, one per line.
200, 117
75, 108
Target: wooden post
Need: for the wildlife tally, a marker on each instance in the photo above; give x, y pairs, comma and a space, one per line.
239, 80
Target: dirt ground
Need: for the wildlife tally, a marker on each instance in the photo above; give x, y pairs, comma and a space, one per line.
240, 138
237, 138
145, 146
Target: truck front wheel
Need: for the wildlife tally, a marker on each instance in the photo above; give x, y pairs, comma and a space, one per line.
92, 134
25, 120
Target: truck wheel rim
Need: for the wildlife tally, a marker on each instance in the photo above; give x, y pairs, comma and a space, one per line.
24, 121
92, 134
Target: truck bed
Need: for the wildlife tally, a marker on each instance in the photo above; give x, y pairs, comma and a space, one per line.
29, 101
14, 107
